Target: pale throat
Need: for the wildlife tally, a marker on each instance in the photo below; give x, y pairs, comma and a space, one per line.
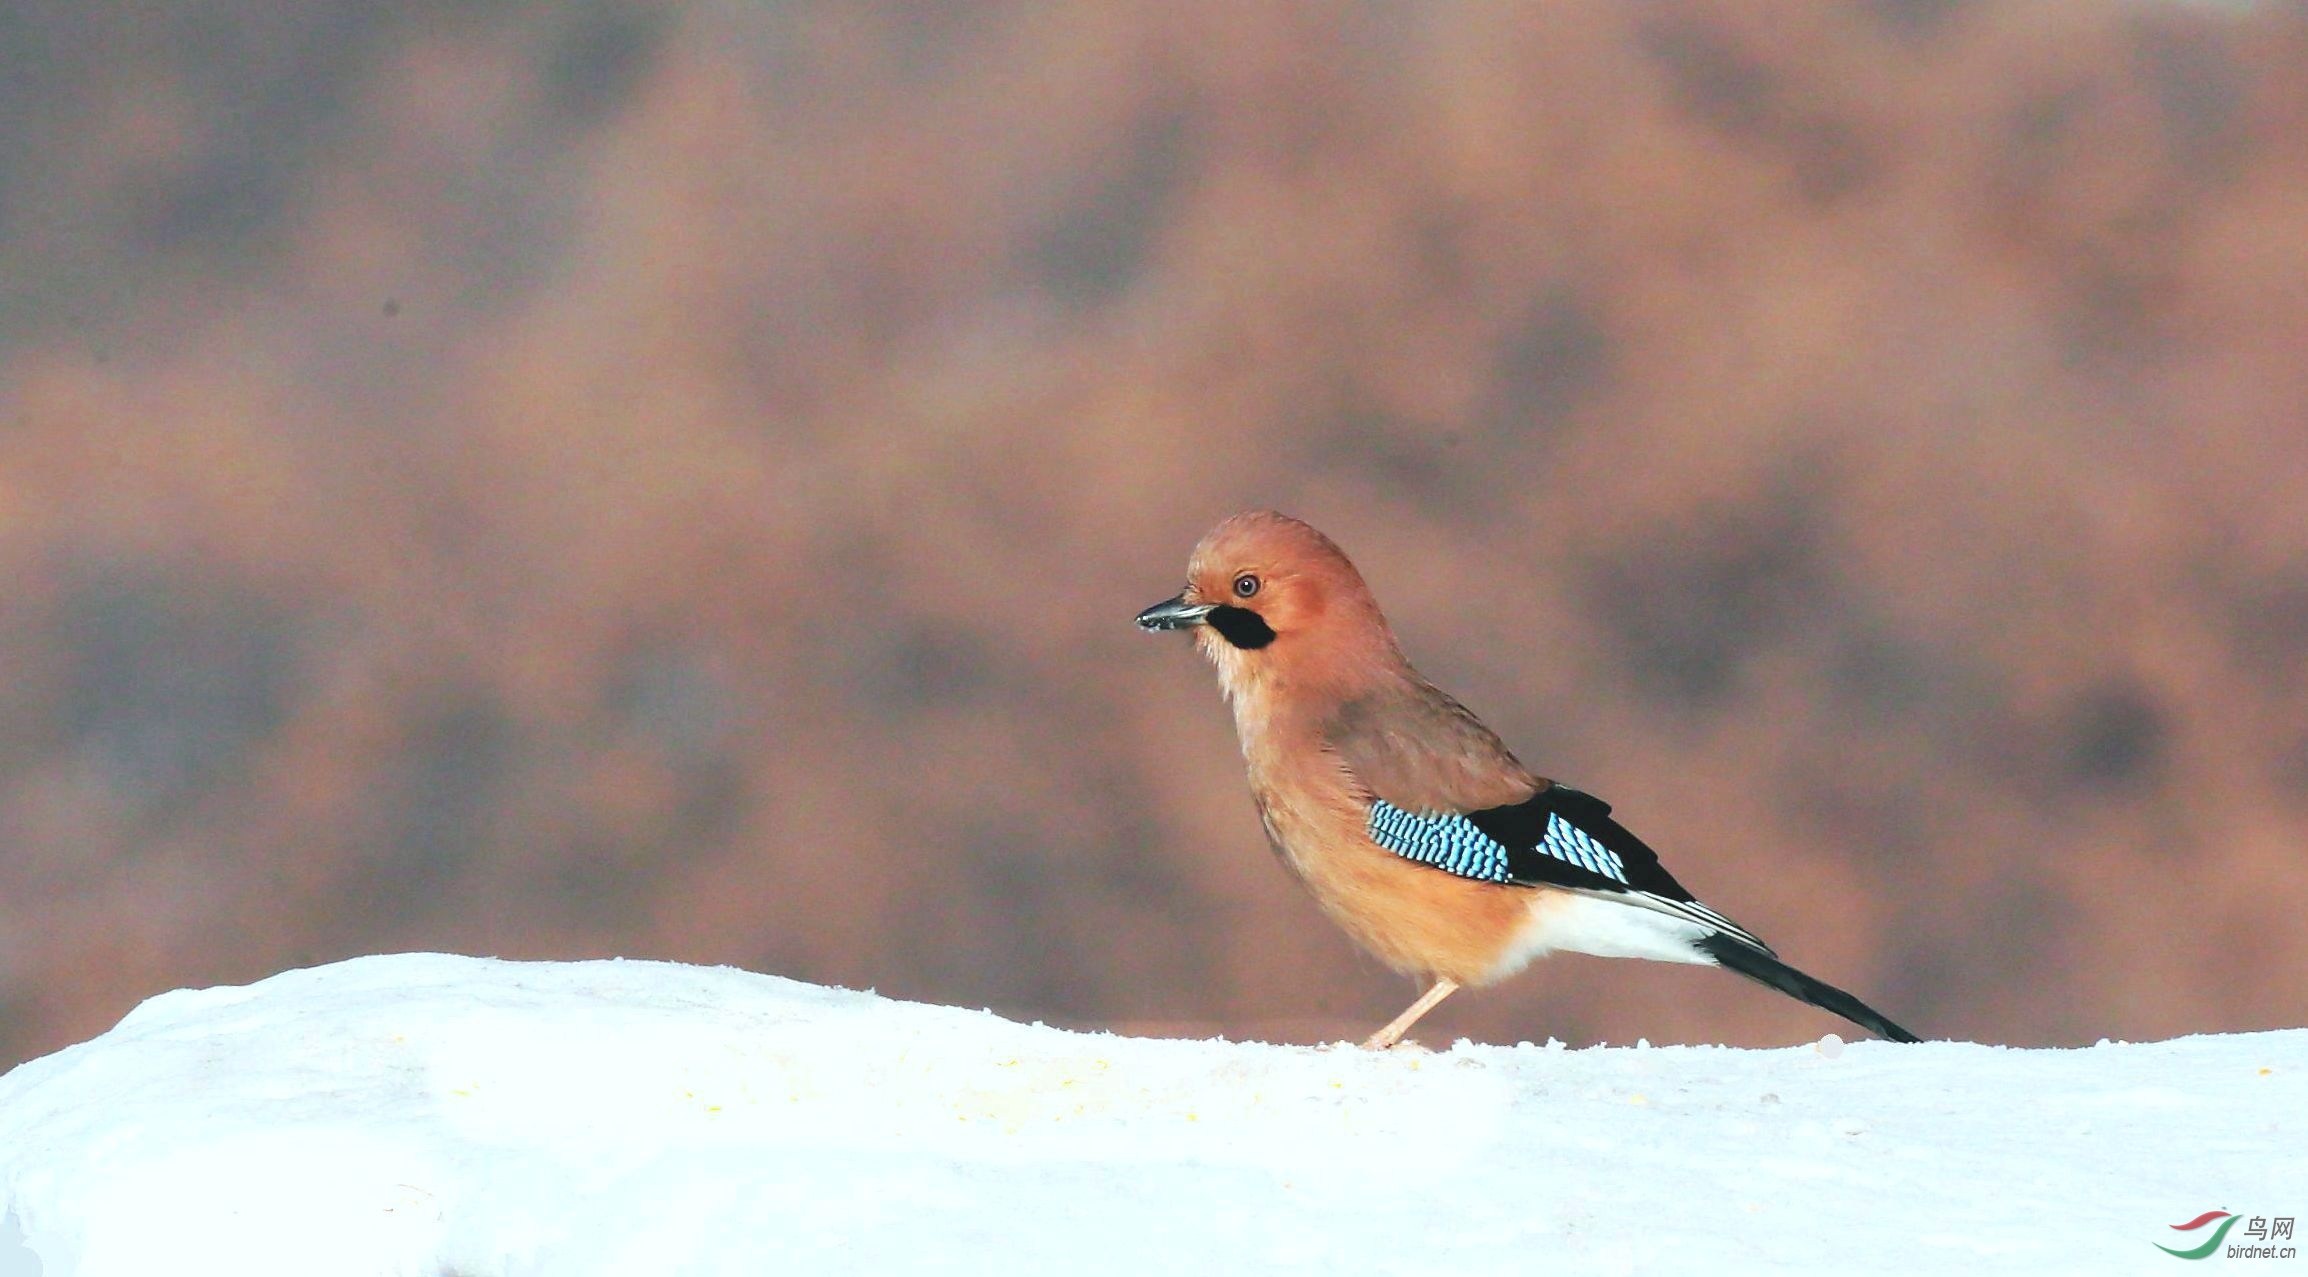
1235, 679
1246, 687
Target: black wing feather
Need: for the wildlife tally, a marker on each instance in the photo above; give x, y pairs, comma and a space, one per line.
1519, 833
1532, 859
1522, 830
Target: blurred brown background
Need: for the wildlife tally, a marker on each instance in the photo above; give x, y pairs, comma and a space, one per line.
596, 477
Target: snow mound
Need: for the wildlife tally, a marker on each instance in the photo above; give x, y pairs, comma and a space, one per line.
433, 1115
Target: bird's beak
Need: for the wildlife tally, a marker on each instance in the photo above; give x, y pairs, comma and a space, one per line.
1174, 614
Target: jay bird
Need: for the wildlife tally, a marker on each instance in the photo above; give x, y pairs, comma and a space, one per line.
1413, 826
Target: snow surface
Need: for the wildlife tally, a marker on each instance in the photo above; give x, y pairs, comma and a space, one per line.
432, 1115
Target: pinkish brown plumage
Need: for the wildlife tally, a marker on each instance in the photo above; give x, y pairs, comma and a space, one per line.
1412, 824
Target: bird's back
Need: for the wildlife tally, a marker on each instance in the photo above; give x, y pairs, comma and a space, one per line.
1410, 744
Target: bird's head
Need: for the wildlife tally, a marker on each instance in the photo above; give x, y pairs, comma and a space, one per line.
1269, 598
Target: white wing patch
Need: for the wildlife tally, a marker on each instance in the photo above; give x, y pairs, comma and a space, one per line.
1607, 927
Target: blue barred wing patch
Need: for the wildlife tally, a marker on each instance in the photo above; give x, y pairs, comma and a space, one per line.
1452, 843
1569, 843
1449, 842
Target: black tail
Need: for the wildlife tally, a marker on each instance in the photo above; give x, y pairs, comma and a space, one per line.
1765, 969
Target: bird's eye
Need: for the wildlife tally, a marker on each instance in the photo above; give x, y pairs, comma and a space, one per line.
1245, 585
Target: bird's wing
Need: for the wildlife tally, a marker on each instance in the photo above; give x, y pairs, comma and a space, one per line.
1558, 837
1446, 792
1415, 747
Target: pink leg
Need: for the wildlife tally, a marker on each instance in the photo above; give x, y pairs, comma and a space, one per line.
1393, 1032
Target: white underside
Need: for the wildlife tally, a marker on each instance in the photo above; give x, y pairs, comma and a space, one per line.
1573, 922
